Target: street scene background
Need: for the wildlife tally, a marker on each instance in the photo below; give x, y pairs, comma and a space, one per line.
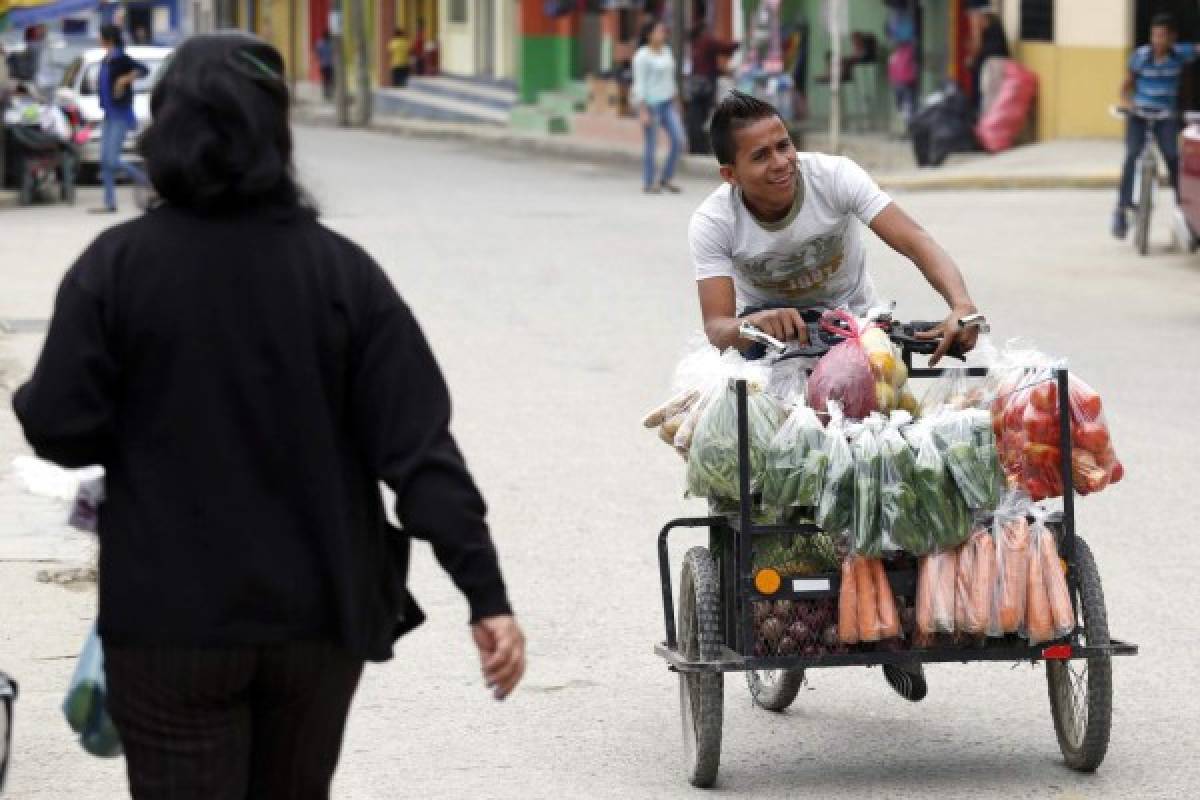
558, 299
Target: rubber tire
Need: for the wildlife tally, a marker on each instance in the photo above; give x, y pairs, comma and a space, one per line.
776, 696
1145, 207
1088, 755
701, 695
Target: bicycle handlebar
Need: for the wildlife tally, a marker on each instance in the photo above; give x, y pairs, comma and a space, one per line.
1145, 113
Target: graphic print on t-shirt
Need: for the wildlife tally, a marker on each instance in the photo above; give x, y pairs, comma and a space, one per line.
799, 271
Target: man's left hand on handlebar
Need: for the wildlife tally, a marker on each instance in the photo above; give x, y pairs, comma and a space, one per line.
952, 334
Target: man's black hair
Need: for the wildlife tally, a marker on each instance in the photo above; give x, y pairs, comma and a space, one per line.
111, 33
738, 110
1163, 20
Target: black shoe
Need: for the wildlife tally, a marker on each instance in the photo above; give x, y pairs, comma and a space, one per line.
102, 210
670, 187
1120, 224
908, 680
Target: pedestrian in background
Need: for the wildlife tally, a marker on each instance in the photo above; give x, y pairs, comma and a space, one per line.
417, 50
710, 56
115, 85
655, 93
399, 51
324, 53
247, 378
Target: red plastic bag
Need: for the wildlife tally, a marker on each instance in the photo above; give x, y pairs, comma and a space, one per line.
1000, 126
844, 373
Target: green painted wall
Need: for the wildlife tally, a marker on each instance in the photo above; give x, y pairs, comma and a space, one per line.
547, 63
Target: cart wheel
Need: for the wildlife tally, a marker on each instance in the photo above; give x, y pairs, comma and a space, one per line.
1141, 231
701, 695
774, 689
1081, 690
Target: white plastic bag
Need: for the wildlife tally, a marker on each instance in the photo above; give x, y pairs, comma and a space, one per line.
86, 703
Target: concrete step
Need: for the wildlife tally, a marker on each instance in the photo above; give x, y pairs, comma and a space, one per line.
423, 103
536, 119
469, 90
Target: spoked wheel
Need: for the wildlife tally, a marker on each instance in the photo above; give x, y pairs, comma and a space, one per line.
1081, 690
701, 695
1141, 232
774, 689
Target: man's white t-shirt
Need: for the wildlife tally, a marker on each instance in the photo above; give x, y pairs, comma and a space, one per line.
812, 257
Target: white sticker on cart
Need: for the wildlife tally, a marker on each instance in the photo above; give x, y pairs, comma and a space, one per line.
811, 585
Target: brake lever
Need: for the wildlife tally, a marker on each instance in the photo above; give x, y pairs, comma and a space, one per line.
755, 334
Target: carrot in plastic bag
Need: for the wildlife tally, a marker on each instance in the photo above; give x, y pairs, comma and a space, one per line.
927, 575
868, 603
963, 578
1039, 620
848, 605
889, 617
975, 583
943, 587
1061, 611
1013, 542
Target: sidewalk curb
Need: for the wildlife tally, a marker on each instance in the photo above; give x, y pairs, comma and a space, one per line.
690, 165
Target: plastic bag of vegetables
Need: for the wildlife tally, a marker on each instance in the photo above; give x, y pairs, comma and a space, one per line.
795, 461
975, 583
843, 375
940, 505
936, 577
1048, 611
900, 520
866, 538
713, 457
968, 447
701, 368
835, 510
1010, 531
889, 371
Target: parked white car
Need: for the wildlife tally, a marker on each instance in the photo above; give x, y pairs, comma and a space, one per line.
80, 88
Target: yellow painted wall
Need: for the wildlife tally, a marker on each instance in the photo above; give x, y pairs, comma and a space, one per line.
1076, 85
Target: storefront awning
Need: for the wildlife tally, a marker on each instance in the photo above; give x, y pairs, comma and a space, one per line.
24, 13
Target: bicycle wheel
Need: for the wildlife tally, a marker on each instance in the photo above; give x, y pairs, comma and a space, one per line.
1141, 234
701, 694
774, 689
1081, 690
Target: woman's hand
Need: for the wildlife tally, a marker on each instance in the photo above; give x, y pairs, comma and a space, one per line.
121, 84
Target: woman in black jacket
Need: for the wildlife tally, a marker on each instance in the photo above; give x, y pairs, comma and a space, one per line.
247, 377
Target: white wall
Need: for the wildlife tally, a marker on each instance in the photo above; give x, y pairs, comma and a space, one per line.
1093, 23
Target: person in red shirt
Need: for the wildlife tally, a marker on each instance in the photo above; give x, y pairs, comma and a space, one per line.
710, 56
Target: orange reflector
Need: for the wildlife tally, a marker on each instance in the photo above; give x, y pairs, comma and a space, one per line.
767, 581
1058, 652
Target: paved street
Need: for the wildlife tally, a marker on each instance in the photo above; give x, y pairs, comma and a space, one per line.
558, 299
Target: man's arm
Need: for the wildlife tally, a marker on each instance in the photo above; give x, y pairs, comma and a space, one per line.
1127, 89
718, 305
906, 237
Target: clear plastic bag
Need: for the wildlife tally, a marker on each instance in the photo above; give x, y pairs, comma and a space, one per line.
940, 505
700, 369
85, 706
843, 375
889, 372
796, 461
836, 510
968, 446
900, 523
866, 538
936, 577
1010, 531
867, 609
955, 390
713, 455
1049, 614
975, 583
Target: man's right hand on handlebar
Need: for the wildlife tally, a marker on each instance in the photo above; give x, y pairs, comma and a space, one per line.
785, 324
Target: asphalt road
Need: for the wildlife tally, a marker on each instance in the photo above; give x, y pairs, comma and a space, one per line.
558, 299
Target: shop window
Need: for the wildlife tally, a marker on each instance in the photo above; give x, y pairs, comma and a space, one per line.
457, 13
1037, 20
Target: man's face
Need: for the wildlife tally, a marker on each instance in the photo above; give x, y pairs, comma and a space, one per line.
764, 167
1162, 38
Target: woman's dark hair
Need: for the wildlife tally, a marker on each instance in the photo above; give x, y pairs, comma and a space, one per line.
111, 33
219, 141
738, 110
647, 28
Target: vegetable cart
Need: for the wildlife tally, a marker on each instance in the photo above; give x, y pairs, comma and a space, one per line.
713, 630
